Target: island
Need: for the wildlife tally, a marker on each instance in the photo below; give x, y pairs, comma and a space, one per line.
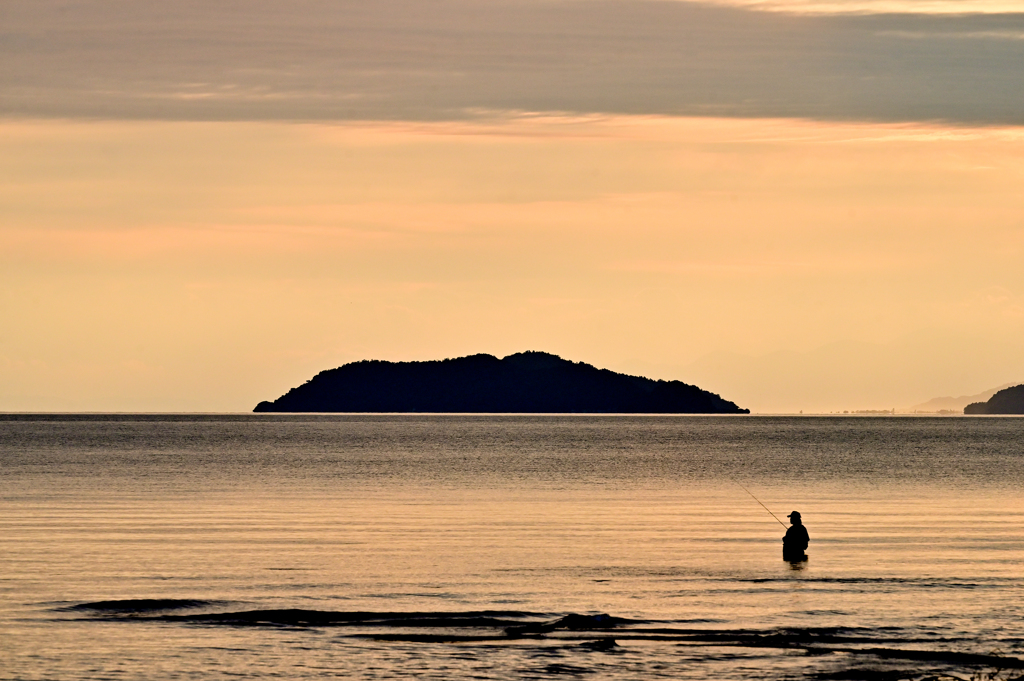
1008, 401
526, 382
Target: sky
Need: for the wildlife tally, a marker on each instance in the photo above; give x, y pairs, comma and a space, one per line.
799, 205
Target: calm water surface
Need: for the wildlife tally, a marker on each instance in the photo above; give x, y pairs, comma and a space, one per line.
304, 547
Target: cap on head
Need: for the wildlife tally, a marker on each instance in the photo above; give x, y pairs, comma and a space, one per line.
794, 514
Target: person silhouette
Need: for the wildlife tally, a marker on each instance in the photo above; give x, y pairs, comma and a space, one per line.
795, 542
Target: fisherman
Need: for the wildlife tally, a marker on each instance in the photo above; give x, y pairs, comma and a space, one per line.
795, 542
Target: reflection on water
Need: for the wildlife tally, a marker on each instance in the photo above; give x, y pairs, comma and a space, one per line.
372, 546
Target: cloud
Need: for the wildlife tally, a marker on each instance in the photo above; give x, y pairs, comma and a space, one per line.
452, 59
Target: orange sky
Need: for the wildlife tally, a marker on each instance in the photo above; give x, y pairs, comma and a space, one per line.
786, 264
808, 205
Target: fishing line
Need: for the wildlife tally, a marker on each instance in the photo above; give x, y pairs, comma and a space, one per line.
762, 505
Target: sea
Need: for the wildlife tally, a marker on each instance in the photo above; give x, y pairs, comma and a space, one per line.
226, 546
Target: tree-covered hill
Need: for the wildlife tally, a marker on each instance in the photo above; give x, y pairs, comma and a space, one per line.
526, 382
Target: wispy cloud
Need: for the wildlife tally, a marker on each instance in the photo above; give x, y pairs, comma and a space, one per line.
820, 7
459, 59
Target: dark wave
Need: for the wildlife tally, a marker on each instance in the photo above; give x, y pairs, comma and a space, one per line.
136, 605
571, 622
503, 623
924, 582
299, 617
600, 632
302, 617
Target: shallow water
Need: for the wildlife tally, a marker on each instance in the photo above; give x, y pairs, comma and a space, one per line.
449, 534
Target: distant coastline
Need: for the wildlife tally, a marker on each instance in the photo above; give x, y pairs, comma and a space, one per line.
948, 405
526, 382
1007, 401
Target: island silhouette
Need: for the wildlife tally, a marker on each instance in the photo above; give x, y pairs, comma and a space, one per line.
1008, 401
526, 382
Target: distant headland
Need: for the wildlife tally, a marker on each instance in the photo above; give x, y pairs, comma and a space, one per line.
1008, 401
526, 382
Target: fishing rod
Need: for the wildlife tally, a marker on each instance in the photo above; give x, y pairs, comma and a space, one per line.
762, 505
